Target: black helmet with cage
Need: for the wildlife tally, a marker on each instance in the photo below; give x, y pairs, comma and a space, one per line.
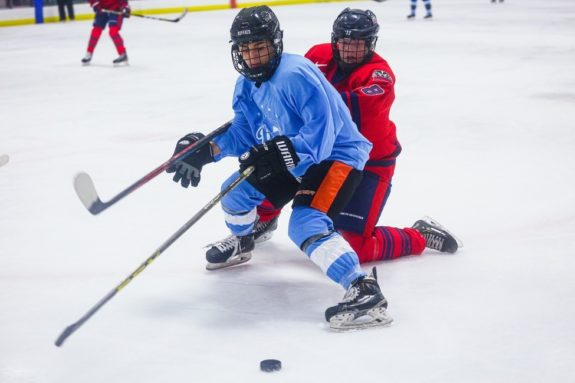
252, 25
354, 24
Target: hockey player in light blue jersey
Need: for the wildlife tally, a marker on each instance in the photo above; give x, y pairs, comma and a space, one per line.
293, 127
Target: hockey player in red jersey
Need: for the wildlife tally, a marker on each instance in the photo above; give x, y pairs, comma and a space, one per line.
366, 84
111, 13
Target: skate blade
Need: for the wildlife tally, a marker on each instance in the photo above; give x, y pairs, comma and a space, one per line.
264, 237
376, 317
432, 221
243, 258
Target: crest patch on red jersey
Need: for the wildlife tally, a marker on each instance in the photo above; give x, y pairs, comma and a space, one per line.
381, 75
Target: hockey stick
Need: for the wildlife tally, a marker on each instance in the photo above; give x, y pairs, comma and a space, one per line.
151, 17
86, 190
75, 326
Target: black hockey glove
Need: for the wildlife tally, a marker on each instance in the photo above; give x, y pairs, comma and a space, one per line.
189, 168
270, 158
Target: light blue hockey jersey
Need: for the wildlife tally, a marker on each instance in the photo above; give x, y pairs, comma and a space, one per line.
300, 103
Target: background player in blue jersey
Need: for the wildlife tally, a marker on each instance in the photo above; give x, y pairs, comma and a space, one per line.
426, 3
293, 127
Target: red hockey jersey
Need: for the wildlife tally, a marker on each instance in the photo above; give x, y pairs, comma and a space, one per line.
111, 5
368, 92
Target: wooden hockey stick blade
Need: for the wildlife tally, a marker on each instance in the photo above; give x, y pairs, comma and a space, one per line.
86, 191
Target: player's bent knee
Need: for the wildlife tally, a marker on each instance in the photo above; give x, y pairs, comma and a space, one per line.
366, 247
306, 222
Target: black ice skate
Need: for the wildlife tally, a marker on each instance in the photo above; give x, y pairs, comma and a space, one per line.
122, 59
411, 16
263, 231
86, 60
363, 306
428, 16
436, 236
230, 252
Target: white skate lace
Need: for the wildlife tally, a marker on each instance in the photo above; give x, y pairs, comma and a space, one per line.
261, 227
226, 244
434, 241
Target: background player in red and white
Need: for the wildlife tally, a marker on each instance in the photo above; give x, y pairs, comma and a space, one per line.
120, 10
366, 84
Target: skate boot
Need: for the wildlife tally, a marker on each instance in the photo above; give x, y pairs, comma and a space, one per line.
123, 58
263, 231
229, 252
86, 60
411, 16
363, 306
436, 236
428, 16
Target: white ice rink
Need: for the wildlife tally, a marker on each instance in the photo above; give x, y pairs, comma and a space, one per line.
485, 111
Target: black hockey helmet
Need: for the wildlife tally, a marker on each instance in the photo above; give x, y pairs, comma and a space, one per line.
251, 25
355, 24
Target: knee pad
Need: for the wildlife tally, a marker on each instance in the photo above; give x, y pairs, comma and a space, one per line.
306, 223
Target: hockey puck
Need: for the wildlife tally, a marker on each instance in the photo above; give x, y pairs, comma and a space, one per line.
270, 365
